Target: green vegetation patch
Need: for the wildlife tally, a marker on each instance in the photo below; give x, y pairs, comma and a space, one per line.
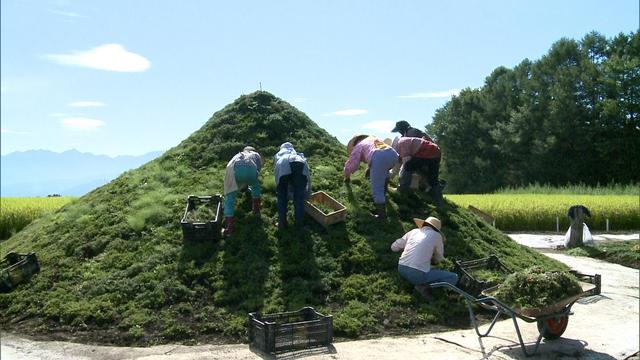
115, 269
537, 288
625, 253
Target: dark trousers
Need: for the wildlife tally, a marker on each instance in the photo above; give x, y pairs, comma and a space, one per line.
429, 167
298, 182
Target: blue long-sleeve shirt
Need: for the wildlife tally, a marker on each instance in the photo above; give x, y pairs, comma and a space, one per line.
286, 155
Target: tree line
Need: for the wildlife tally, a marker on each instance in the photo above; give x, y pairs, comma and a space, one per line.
569, 117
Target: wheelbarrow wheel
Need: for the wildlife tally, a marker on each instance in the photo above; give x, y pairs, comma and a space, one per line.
554, 327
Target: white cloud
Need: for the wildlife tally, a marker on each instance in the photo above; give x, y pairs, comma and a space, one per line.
7, 131
86, 104
67, 14
381, 126
348, 112
430, 95
82, 124
110, 57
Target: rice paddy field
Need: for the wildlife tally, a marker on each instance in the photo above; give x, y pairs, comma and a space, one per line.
548, 212
534, 208
18, 212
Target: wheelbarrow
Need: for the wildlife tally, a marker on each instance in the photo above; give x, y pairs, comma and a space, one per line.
551, 320
16, 269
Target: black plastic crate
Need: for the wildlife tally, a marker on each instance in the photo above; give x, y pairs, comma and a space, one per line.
205, 230
468, 282
16, 269
295, 330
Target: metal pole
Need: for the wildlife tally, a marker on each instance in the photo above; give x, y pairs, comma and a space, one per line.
557, 224
607, 225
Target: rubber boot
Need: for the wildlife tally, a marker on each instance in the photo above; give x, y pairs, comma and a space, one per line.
256, 205
436, 194
381, 211
282, 222
425, 291
229, 226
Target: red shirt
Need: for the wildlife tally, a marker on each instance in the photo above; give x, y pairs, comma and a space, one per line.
418, 147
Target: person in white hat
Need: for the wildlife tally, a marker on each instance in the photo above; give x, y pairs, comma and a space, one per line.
421, 247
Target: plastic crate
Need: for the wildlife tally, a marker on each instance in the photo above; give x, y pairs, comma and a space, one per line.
16, 269
295, 330
206, 230
338, 213
472, 285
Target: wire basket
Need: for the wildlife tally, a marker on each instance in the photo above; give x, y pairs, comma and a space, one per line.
294, 330
202, 229
471, 284
17, 268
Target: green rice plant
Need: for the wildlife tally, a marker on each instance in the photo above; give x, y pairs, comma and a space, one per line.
18, 212
574, 189
537, 212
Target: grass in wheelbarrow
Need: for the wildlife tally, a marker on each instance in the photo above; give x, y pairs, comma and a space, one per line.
536, 288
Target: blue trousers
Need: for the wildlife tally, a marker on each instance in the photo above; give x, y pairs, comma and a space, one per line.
418, 277
298, 182
381, 162
245, 175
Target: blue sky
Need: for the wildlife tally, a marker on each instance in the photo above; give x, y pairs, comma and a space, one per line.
128, 77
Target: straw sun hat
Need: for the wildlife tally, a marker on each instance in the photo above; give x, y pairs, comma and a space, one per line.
354, 141
431, 221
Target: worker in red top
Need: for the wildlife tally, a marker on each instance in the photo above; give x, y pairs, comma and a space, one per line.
422, 156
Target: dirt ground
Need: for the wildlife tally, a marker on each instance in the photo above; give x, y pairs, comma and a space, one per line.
601, 327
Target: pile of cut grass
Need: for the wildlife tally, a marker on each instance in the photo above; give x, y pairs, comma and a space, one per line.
535, 288
116, 270
625, 253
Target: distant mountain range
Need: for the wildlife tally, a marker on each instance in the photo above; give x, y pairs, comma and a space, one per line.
42, 172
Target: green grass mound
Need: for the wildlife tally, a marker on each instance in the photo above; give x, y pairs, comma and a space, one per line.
115, 269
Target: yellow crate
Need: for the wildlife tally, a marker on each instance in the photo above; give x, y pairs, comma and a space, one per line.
338, 214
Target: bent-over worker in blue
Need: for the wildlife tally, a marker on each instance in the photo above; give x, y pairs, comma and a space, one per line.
242, 170
293, 179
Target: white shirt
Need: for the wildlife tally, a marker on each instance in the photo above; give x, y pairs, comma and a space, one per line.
420, 246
